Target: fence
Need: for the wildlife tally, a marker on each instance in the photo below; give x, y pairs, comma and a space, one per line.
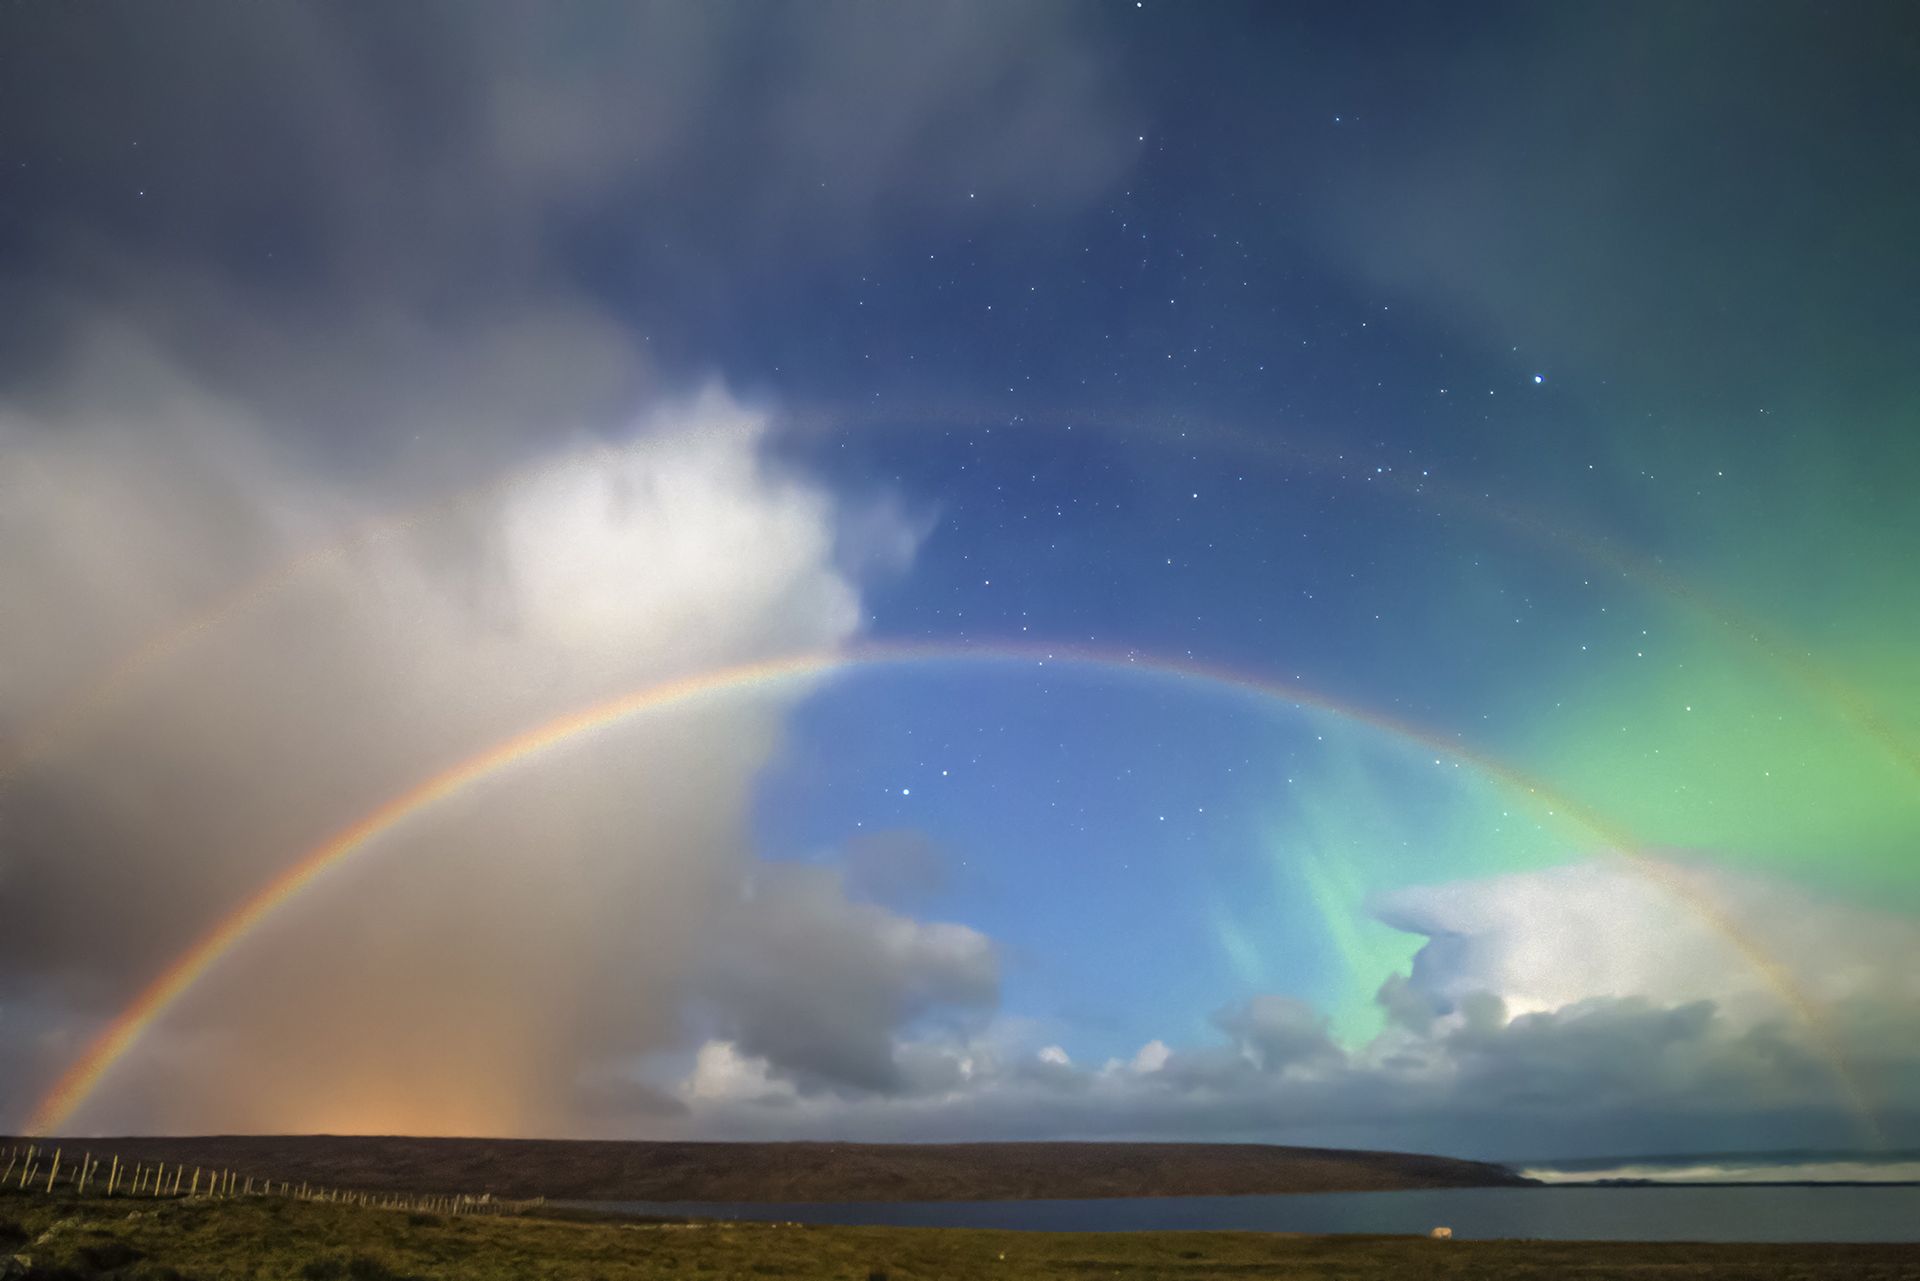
30, 1169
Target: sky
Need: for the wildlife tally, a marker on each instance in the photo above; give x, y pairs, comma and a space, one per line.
1325, 573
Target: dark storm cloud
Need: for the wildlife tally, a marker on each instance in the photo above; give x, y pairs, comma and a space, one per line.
460, 156
388, 229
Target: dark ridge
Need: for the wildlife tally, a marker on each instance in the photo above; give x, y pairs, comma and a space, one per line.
620, 1170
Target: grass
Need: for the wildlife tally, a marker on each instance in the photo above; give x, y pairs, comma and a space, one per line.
272, 1239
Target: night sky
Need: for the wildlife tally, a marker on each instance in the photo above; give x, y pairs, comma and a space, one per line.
1360, 567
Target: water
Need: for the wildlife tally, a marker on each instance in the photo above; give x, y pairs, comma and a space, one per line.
1560, 1213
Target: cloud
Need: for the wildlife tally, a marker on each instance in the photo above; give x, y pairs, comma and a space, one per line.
1151, 1057
1462, 1067
1637, 220
819, 986
478, 959
358, 449
1278, 1032
1545, 940
900, 868
721, 1073
464, 157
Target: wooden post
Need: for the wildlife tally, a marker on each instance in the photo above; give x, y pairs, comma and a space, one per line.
113, 1175
179, 1172
195, 1189
53, 1173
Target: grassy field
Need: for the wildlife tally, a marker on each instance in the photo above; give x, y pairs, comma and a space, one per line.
270, 1239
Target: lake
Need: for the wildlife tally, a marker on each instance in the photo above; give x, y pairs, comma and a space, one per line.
1562, 1213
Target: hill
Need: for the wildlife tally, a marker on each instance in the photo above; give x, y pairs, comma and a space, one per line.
619, 1170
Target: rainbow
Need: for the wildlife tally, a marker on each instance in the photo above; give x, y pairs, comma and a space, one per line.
112, 1044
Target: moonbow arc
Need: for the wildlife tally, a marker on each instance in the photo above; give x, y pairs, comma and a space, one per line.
78, 1083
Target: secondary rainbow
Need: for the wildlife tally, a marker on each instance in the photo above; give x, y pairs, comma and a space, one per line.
86, 1074
70, 717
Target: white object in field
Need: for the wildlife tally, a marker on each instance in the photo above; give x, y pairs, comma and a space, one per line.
1441, 1234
